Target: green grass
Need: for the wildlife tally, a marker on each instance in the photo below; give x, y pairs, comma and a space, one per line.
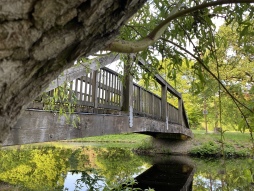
230, 137
130, 140
208, 144
241, 139
121, 138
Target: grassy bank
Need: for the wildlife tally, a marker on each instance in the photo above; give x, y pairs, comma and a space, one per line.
236, 144
130, 140
122, 138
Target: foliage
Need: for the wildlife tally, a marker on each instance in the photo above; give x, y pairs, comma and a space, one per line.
234, 174
207, 149
90, 177
29, 168
117, 164
146, 144
127, 185
63, 101
234, 145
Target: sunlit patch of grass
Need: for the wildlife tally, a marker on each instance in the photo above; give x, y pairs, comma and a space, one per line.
124, 138
236, 137
235, 143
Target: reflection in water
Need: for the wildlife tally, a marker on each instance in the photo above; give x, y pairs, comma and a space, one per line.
86, 180
234, 174
174, 174
49, 168
52, 168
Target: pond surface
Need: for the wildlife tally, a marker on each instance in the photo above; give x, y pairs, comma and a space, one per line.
76, 167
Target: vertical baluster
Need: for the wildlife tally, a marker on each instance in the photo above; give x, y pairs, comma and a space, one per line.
117, 92
118, 99
87, 84
111, 89
153, 104
164, 104
76, 88
90, 87
134, 97
104, 87
86, 95
99, 86
145, 102
81, 90
120, 94
95, 88
180, 111
114, 90
139, 99
70, 91
118, 102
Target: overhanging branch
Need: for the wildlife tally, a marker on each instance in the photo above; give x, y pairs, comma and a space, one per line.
123, 46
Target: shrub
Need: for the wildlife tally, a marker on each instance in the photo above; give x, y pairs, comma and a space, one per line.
207, 149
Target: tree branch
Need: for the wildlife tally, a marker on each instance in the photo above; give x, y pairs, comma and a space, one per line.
123, 46
207, 69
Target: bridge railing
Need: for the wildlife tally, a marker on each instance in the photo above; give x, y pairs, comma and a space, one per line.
98, 89
168, 112
104, 89
146, 102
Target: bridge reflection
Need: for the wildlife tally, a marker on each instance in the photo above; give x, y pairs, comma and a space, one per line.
175, 174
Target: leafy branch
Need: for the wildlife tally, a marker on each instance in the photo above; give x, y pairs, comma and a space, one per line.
123, 46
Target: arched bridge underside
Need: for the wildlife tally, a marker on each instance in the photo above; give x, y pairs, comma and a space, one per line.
105, 106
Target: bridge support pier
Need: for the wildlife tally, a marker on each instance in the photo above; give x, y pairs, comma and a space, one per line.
172, 145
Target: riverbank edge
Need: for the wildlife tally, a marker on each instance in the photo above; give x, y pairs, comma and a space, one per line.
189, 148
235, 144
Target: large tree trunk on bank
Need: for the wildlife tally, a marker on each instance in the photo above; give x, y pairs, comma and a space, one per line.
39, 39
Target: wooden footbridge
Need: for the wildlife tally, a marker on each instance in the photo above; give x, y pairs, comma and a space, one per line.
104, 105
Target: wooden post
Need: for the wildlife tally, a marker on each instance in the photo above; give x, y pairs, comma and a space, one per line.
180, 111
128, 91
164, 104
95, 89
140, 100
127, 88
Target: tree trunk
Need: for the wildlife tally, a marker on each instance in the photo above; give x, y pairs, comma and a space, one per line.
39, 39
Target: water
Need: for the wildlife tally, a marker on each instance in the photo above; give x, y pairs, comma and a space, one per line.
63, 167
